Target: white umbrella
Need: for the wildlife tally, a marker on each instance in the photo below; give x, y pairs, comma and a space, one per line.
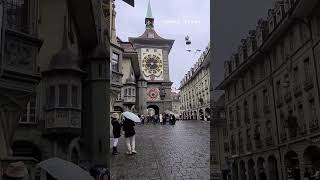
131, 116
168, 112
64, 170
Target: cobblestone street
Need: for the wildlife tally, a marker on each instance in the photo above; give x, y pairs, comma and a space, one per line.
165, 152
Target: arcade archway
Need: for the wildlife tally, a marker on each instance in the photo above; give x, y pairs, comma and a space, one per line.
26, 149
261, 169
311, 158
243, 171
292, 165
251, 170
273, 168
155, 107
235, 171
117, 109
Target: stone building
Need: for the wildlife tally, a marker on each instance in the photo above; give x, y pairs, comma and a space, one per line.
116, 62
219, 150
194, 90
70, 64
272, 95
153, 84
176, 103
126, 99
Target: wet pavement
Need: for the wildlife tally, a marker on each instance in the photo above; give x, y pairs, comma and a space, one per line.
165, 152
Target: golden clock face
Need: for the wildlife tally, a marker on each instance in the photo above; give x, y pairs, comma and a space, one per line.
152, 65
153, 94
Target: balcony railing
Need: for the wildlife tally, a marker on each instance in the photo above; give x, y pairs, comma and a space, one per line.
308, 84
63, 121
303, 130
116, 79
129, 100
314, 126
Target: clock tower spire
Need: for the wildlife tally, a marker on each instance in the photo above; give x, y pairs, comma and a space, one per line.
149, 19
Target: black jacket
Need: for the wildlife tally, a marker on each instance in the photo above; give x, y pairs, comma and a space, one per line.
116, 128
128, 128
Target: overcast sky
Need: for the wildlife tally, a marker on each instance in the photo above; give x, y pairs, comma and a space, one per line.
232, 20
173, 19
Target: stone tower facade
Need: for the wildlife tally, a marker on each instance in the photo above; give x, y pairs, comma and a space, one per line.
153, 52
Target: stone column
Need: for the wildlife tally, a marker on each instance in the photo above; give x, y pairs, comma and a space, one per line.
96, 99
142, 99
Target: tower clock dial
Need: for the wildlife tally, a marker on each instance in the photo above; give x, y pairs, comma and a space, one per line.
152, 65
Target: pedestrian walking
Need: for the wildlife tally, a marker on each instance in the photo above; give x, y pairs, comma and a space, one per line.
129, 133
116, 124
165, 118
173, 119
142, 119
160, 119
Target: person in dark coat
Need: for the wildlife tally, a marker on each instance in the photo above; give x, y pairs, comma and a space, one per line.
173, 119
115, 121
129, 133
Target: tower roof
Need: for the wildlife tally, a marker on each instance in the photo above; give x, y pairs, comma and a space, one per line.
149, 11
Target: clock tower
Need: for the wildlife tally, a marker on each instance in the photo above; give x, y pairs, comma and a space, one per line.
153, 54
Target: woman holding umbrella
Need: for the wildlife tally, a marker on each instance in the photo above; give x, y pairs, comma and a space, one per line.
115, 121
129, 132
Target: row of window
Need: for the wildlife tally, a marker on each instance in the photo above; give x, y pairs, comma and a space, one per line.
244, 82
115, 62
297, 36
64, 91
127, 92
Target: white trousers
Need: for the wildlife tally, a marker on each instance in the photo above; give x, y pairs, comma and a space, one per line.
115, 142
131, 143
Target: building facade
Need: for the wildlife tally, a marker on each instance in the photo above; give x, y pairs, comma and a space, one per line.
126, 100
71, 64
116, 62
153, 84
176, 103
219, 141
194, 90
272, 95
